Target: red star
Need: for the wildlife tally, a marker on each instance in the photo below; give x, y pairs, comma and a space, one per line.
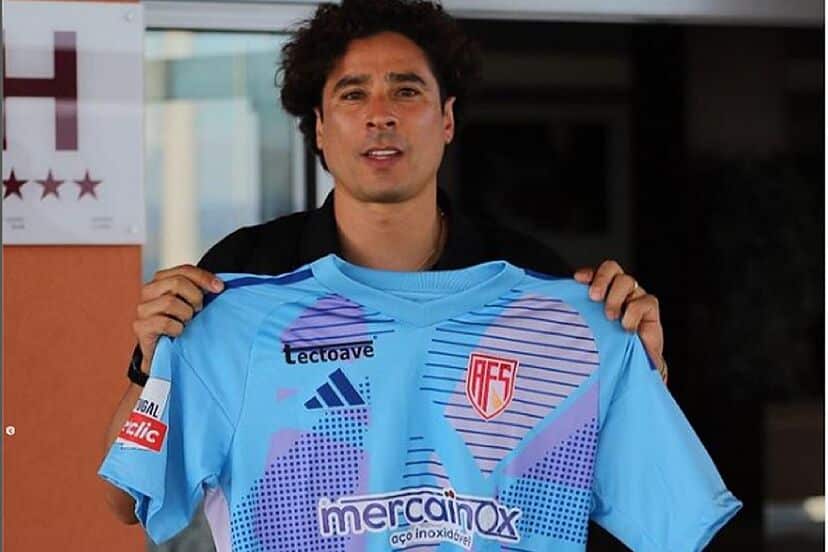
13, 185
87, 186
50, 185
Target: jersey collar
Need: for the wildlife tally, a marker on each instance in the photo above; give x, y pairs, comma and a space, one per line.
464, 290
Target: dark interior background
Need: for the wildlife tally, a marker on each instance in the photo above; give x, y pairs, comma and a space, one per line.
694, 155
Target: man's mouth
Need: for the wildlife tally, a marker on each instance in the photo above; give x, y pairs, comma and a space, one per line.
382, 158
382, 153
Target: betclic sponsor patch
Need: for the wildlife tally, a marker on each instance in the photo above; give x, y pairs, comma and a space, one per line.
144, 428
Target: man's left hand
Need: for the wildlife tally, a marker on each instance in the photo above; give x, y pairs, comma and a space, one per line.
625, 298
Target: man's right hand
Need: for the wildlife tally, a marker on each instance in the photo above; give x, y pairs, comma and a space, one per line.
168, 302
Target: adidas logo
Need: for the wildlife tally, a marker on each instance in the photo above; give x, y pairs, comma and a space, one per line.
326, 394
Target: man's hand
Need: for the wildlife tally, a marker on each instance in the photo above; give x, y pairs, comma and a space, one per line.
624, 298
168, 302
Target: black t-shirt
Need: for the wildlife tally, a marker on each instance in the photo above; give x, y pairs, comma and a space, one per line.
286, 243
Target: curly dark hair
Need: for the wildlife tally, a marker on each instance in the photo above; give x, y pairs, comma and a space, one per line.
318, 43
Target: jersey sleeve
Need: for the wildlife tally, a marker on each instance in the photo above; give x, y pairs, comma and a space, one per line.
172, 447
656, 488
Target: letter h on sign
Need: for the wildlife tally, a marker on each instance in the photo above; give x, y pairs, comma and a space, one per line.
63, 87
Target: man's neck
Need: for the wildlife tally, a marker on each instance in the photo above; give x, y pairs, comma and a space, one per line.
404, 236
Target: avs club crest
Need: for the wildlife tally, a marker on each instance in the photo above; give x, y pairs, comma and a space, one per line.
490, 383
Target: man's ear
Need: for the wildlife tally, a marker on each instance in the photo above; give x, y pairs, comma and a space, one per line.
319, 129
448, 119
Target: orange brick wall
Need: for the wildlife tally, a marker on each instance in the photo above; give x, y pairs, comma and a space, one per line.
66, 341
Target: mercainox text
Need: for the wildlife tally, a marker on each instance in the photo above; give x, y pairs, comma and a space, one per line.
421, 505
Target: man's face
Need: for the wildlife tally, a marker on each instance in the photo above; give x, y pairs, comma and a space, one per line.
382, 128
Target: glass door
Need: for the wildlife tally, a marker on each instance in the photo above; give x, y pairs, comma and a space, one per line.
220, 151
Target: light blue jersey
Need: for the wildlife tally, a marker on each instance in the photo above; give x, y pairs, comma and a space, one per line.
338, 408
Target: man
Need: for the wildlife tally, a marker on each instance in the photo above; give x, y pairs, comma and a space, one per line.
375, 85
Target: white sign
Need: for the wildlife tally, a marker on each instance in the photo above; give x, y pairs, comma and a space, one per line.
73, 123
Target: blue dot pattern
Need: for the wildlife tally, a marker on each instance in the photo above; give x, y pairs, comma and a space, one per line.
555, 495
280, 511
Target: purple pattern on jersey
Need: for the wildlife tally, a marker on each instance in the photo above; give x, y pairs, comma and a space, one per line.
566, 427
437, 470
216, 511
423, 468
281, 443
330, 319
284, 393
554, 474
279, 512
556, 353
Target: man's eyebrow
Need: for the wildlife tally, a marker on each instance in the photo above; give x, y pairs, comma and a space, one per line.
406, 77
350, 80
357, 80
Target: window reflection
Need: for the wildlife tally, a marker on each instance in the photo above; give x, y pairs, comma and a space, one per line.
219, 148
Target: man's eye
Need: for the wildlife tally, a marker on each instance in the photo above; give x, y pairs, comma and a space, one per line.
408, 92
352, 95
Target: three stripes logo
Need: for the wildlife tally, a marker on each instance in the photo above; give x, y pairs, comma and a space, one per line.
337, 391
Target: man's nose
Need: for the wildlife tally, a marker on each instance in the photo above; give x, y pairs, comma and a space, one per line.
380, 115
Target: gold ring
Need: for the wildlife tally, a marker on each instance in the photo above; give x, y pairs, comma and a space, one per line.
663, 370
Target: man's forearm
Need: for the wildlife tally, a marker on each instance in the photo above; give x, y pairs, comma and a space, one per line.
119, 501
125, 407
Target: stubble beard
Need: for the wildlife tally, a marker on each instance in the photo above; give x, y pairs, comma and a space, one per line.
385, 192
388, 196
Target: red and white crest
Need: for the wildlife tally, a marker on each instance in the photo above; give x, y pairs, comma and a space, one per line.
490, 383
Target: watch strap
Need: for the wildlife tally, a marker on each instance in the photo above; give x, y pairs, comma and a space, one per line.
134, 373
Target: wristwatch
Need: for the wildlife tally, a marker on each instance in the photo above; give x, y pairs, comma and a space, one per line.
134, 373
